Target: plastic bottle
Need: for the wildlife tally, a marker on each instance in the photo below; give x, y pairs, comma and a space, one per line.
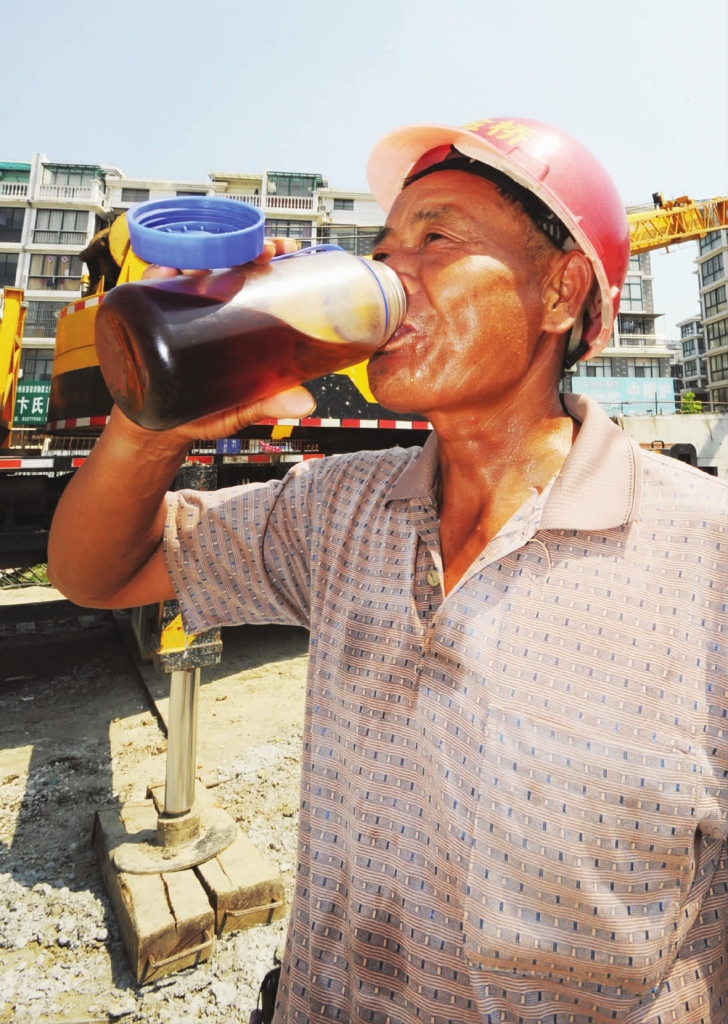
172, 350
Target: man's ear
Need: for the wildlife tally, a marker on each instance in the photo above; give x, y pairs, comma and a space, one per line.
566, 290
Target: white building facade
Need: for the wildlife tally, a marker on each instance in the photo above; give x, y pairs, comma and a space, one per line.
712, 262
632, 375
702, 365
49, 212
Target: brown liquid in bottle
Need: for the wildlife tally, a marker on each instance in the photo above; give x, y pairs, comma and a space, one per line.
169, 357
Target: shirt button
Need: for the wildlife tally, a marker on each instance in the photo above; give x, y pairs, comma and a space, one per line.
433, 577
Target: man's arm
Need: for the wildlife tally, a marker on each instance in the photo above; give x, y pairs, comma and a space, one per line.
105, 545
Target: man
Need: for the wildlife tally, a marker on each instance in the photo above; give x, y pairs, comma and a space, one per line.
513, 799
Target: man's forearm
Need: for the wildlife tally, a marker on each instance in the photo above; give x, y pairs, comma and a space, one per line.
108, 527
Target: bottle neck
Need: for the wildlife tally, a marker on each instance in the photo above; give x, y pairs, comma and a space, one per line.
392, 292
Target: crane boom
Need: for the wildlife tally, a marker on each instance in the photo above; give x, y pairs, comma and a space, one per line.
679, 220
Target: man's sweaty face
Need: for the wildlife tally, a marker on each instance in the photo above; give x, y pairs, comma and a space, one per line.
475, 296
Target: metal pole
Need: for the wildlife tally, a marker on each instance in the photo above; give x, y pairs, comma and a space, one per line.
179, 790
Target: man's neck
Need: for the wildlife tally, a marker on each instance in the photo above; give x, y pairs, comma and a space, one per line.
490, 460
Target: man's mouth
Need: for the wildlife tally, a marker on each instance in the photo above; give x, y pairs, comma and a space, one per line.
398, 340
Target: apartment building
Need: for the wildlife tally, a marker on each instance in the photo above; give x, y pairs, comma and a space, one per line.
690, 369
702, 364
632, 375
49, 212
295, 205
711, 263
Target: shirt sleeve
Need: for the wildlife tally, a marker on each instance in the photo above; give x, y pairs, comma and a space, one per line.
243, 554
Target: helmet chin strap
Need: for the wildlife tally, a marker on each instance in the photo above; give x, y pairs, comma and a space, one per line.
576, 347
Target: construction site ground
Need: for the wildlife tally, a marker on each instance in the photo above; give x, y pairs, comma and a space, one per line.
79, 730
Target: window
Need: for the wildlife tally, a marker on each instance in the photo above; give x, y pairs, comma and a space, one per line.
711, 241
359, 241
597, 367
634, 263
134, 195
11, 224
293, 184
61, 227
629, 326
712, 269
15, 173
59, 174
59, 273
8, 269
632, 294
714, 301
190, 193
644, 368
688, 348
343, 204
687, 329
690, 369
719, 366
42, 319
300, 229
717, 334
36, 364
720, 398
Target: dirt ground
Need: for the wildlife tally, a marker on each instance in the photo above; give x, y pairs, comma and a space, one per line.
79, 731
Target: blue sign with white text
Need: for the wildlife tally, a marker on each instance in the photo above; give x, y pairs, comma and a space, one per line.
630, 396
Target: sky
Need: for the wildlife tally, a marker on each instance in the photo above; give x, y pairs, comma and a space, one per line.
176, 88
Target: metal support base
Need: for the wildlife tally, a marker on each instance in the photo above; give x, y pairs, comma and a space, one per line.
175, 866
171, 901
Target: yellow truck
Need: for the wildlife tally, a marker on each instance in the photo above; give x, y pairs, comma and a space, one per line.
347, 418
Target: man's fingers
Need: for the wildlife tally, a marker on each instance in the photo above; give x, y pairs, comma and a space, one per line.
153, 272
293, 404
276, 247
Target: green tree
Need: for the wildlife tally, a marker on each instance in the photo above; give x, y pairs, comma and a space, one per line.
690, 403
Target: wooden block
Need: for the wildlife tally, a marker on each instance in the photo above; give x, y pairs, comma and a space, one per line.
165, 919
243, 887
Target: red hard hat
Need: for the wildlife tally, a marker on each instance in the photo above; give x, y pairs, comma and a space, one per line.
548, 162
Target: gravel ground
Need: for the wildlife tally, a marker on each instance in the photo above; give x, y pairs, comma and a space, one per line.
76, 733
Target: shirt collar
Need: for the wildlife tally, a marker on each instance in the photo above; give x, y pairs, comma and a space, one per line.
598, 487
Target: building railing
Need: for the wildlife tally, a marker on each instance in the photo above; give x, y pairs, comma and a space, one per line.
243, 197
57, 283
59, 237
74, 194
289, 202
642, 341
42, 319
13, 189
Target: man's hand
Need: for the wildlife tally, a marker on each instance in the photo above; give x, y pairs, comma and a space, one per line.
291, 404
105, 545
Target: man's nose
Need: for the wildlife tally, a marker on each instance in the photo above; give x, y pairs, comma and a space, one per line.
404, 263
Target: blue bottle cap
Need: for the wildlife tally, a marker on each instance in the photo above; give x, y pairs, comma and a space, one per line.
196, 232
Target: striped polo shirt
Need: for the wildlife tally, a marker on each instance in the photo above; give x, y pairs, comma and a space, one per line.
514, 803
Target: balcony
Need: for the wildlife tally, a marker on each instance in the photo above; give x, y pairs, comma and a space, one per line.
242, 197
642, 341
13, 189
299, 203
55, 284
89, 195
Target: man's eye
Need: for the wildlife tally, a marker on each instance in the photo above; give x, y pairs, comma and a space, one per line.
380, 256
433, 236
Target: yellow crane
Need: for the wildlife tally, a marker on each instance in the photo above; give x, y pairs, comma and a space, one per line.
670, 221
